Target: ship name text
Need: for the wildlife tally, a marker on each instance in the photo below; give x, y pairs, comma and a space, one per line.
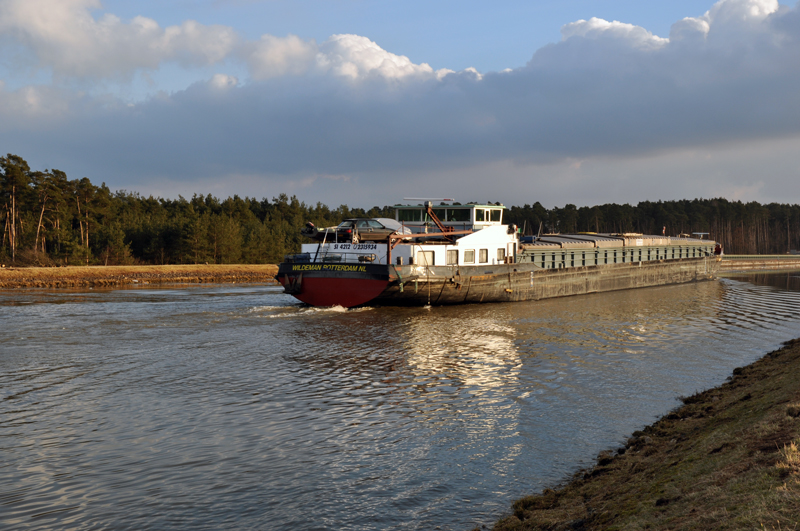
329, 267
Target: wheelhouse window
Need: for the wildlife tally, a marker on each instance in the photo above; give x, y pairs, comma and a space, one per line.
452, 257
478, 214
458, 214
409, 214
484, 256
469, 256
496, 214
441, 213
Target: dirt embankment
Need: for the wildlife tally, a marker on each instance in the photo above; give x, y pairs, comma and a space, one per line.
727, 459
68, 277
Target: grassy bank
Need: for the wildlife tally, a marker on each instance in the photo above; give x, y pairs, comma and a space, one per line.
727, 459
65, 277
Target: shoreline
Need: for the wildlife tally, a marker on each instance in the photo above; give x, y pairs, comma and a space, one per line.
93, 276
728, 458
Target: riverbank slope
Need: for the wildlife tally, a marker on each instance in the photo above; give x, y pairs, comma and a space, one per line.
67, 277
727, 459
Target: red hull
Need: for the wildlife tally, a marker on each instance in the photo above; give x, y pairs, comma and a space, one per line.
331, 291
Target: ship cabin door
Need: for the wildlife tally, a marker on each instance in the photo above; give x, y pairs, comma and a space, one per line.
511, 252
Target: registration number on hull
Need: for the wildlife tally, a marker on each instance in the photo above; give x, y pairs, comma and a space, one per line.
354, 246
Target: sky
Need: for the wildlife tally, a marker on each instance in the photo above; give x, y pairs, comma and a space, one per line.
364, 102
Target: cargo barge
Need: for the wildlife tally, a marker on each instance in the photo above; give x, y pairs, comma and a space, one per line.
457, 254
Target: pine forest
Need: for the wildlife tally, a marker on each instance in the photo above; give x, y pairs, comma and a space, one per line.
48, 219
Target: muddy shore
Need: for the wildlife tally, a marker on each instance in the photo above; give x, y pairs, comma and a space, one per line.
727, 459
91, 276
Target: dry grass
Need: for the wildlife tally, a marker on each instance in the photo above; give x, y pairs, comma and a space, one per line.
727, 459
115, 275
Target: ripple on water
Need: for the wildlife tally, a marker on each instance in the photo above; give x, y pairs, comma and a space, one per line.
236, 407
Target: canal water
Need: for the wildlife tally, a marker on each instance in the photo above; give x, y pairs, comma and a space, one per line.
234, 407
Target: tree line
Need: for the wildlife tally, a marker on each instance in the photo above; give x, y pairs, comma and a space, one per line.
48, 219
741, 228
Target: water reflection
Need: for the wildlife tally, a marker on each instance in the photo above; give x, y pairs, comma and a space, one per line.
234, 407
784, 281
470, 345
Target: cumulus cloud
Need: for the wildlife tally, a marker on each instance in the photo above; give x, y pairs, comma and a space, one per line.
31, 106
347, 56
274, 56
597, 28
689, 28
741, 11
65, 36
357, 57
730, 19
223, 81
608, 91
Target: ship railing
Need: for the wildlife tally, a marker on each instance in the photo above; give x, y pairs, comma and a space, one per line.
333, 258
